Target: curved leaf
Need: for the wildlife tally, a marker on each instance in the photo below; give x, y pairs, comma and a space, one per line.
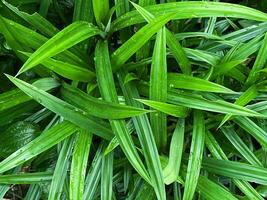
68, 37
45, 141
220, 106
193, 9
182, 81
170, 109
236, 170
64, 109
131, 46
97, 107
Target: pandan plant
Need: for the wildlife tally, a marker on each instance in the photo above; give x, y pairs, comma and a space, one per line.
147, 99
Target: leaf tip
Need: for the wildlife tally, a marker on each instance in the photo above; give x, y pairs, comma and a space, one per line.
8, 76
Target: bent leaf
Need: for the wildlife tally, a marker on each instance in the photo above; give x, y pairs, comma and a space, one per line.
68, 111
182, 81
97, 107
45, 141
68, 37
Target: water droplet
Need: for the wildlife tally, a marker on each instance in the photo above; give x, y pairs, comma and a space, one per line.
39, 100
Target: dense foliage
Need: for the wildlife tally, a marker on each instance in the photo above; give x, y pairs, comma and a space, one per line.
132, 100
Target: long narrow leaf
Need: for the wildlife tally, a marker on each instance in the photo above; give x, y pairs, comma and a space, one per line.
198, 102
45, 141
195, 158
68, 111
236, 170
61, 169
106, 176
213, 191
108, 92
145, 135
181, 81
175, 47
192, 10
218, 153
158, 88
170, 109
68, 37
124, 52
95, 106
171, 171
26, 178
240, 146
79, 163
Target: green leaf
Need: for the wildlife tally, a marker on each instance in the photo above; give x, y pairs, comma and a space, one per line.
195, 158
240, 146
250, 94
146, 2
224, 67
194, 9
182, 81
26, 178
14, 113
114, 142
108, 93
11, 40
95, 107
145, 135
44, 6
36, 20
68, 37
131, 46
69, 112
101, 9
16, 136
61, 169
130, 77
238, 54
66, 69
259, 63
83, 11
93, 176
171, 171
170, 109
158, 88
253, 129
218, 153
21, 38
45, 141
3, 190
107, 176
213, 191
16, 97
145, 192
219, 106
175, 47
34, 192
79, 163
236, 170
178, 53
